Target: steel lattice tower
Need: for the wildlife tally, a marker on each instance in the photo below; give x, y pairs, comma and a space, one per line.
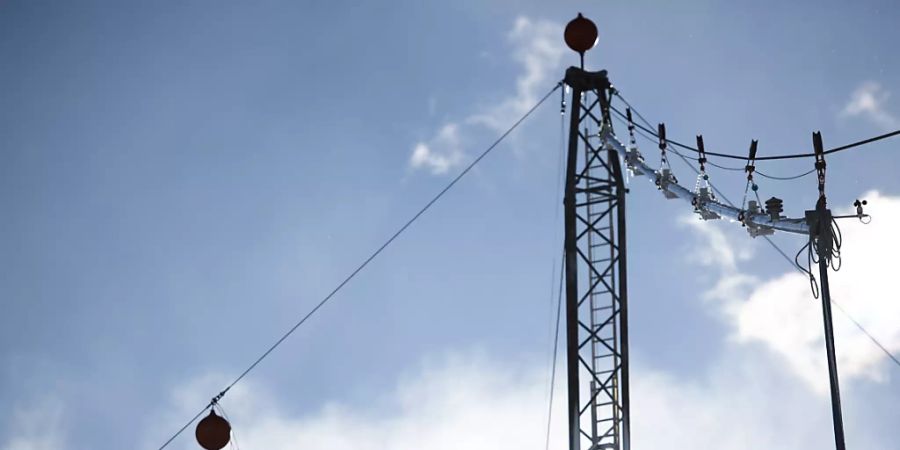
595, 262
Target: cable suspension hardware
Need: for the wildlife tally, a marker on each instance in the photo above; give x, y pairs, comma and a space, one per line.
652, 137
757, 222
703, 194
664, 176
819, 225
774, 206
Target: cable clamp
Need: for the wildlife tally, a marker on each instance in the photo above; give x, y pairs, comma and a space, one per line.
215, 400
702, 159
820, 161
751, 160
663, 143
632, 140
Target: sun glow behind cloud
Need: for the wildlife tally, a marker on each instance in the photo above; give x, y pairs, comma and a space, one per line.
782, 314
38, 426
538, 50
869, 101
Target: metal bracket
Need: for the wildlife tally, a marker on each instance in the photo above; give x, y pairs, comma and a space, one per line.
664, 178
704, 196
753, 228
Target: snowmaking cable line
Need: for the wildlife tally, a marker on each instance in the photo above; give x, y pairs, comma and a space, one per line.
731, 169
653, 141
787, 178
215, 400
775, 246
719, 166
556, 285
557, 304
555, 350
744, 157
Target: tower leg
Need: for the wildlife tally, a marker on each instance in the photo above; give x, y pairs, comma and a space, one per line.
596, 288
821, 229
571, 253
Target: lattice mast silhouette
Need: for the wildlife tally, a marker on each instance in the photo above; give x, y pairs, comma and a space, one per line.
596, 257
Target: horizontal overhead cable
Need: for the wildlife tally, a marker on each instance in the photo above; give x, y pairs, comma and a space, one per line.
784, 255
760, 158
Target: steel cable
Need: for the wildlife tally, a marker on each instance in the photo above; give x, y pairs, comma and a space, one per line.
365, 263
744, 157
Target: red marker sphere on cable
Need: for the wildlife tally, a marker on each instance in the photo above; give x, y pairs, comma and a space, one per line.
213, 432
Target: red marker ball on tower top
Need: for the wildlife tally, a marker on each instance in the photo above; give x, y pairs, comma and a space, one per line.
581, 34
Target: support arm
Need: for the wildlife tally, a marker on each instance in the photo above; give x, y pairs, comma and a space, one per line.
753, 219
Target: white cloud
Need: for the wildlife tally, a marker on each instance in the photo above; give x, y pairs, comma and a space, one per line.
443, 153
36, 427
868, 101
747, 398
462, 403
537, 47
721, 253
743, 402
716, 250
781, 313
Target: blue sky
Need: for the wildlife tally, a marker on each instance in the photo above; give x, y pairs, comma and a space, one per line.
180, 182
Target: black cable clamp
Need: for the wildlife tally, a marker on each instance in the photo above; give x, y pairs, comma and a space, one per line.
702, 160
751, 161
215, 400
562, 99
630, 127
661, 132
820, 162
